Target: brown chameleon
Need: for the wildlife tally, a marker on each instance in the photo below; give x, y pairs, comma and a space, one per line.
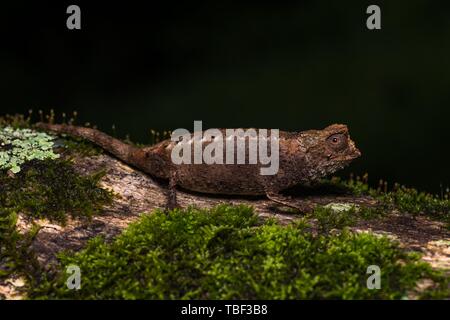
304, 158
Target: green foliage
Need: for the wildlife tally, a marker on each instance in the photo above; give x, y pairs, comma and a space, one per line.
227, 253
73, 146
415, 202
375, 212
42, 189
15, 254
9, 238
52, 189
401, 198
18, 146
329, 219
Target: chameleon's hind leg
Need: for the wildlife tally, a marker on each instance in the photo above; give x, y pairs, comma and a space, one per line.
279, 198
172, 202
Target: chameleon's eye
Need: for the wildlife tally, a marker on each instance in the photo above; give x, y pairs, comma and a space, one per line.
337, 141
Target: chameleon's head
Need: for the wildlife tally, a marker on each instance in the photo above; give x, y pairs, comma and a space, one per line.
338, 145
330, 149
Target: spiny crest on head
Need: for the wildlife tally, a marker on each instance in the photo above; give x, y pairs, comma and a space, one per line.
336, 128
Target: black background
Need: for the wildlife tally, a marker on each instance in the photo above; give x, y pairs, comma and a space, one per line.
288, 65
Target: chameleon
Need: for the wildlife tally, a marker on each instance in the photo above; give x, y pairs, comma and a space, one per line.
304, 158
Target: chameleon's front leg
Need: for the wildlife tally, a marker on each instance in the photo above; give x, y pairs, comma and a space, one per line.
172, 202
275, 196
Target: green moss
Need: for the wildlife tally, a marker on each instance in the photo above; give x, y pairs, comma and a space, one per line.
415, 202
52, 189
375, 212
9, 238
15, 254
401, 198
226, 253
328, 219
73, 146
338, 216
42, 189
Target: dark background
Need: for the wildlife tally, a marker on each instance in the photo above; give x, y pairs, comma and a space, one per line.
292, 65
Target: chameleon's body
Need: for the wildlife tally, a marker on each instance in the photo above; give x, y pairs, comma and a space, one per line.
304, 157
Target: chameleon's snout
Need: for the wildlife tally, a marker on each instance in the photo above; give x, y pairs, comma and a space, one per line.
356, 153
352, 152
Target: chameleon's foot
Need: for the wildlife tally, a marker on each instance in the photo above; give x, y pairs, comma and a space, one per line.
287, 201
172, 202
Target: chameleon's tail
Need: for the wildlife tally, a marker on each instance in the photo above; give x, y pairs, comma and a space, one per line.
121, 150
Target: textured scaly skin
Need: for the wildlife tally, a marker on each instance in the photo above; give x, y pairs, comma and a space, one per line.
304, 157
